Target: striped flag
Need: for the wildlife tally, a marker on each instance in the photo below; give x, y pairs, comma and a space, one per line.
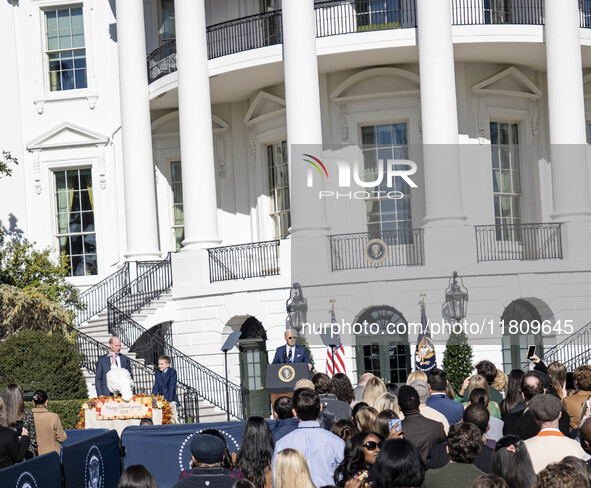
339, 352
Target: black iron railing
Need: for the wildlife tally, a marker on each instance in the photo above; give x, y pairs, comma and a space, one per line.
95, 298
154, 279
90, 350
518, 242
162, 61
354, 251
471, 12
243, 261
574, 351
209, 385
243, 34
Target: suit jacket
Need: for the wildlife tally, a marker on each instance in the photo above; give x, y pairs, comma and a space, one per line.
522, 423
422, 432
165, 385
458, 475
300, 356
438, 457
103, 366
573, 405
49, 431
12, 450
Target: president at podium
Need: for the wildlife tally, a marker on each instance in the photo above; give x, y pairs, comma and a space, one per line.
290, 353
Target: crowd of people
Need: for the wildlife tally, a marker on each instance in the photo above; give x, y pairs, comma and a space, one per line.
524, 430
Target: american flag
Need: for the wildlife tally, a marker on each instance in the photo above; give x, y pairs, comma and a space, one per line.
339, 352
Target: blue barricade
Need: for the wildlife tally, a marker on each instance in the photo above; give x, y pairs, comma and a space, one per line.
164, 449
40, 472
76, 435
93, 461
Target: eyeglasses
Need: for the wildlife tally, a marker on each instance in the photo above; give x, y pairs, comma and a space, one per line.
291, 337
372, 446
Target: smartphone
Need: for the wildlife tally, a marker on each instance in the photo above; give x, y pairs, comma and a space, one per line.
531, 351
395, 424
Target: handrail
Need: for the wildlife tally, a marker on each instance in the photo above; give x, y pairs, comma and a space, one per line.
208, 384
573, 351
518, 241
90, 350
95, 297
241, 261
155, 278
403, 248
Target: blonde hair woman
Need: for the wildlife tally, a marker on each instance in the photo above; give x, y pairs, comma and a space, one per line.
372, 391
387, 401
417, 375
365, 418
290, 470
557, 371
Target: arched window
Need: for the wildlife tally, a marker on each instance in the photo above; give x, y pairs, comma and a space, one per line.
385, 355
520, 313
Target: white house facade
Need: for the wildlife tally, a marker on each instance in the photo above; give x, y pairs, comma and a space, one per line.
217, 130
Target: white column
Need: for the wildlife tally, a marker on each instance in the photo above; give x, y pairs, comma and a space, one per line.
138, 164
439, 114
566, 106
302, 100
196, 133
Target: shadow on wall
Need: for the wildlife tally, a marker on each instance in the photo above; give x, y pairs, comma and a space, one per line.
12, 231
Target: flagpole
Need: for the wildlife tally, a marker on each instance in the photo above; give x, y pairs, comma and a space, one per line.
332, 300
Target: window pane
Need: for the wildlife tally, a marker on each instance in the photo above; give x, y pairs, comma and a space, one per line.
368, 136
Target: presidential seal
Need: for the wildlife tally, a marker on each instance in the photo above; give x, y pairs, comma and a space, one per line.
375, 251
26, 480
286, 373
94, 469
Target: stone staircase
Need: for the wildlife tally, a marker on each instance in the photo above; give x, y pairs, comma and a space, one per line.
153, 314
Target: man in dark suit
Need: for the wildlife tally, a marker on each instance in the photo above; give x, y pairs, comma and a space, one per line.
438, 399
165, 380
290, 353
104, 363
419, 430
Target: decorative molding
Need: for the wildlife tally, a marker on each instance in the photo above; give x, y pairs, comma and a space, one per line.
523, 88
100, 148
263, 107
92, 101
404, 84
252, 143
67, 135
344, 122
40, 106
220, 128
37, 171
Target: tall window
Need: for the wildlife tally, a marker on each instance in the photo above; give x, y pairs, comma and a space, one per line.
506, 168
167, 28
66, 54
387, 218
279, 188
75, 220
178, 216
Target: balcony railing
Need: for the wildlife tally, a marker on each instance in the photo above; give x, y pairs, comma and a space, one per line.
244, 261
404, 248
478, 12
336, 17
518, 242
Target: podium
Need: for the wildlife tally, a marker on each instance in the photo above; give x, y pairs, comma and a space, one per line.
281, 378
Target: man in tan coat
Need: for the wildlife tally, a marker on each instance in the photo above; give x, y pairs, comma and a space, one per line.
48, 425
574, 403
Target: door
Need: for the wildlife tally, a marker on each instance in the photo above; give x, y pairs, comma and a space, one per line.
253, 369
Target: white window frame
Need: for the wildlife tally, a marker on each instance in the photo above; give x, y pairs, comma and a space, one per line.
277, 215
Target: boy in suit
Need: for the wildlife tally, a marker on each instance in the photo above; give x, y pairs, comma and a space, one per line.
165, 380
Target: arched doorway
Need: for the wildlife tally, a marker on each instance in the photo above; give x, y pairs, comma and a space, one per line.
384, 354
522, 313
253, 365
152, 344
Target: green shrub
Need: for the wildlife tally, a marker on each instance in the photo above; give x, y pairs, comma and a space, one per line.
67, 410
39, 361
457, 360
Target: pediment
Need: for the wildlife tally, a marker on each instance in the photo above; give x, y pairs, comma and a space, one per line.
509, 82
377, 83
264, 106
67, 135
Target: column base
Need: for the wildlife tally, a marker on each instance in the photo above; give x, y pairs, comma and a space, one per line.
142, 255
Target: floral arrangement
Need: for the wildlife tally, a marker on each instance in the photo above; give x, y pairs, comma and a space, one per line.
158, 402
